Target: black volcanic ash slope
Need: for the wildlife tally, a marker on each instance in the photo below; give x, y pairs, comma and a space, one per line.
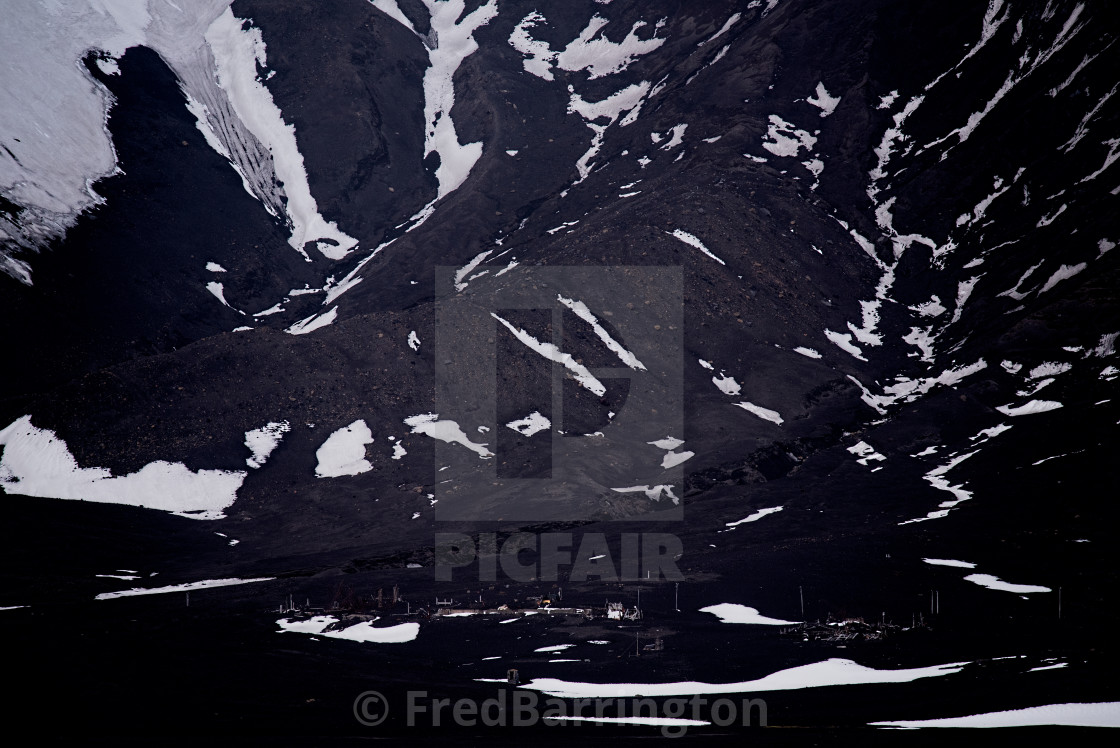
950, 200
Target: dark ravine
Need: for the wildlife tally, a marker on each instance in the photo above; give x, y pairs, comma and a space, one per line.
975, 267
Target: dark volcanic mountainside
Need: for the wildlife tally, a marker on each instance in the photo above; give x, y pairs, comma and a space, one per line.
917, 218
864, 249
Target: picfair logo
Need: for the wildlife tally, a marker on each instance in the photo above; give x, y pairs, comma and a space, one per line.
559, 395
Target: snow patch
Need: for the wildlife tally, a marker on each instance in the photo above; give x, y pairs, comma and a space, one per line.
238, 51
949, 562
756, 516
866, 453
344, 452
600, 56
692, 241
995, 583
668, 442
262, 441
1049, 369
1103, 714
453, 41
1061, 274
823, 100
364, 632
723, 29
538, 55
844, 342
931, 308
580, 309
36, 462
764, 413
672, 459
1030, 408
831, 672
312, 323
727, 385
579, 372
187, 587
785, 139
676, 139
445, 430
735, 613
652, 492
530, 424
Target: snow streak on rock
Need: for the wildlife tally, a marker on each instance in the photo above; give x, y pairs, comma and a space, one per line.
756, 516
237, 53
764, 413
995, 583
204, 584
615, 347
314, 322
454, 42
1029, 408
896, 143
450, 41
692, 241
579, 372
723, 29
